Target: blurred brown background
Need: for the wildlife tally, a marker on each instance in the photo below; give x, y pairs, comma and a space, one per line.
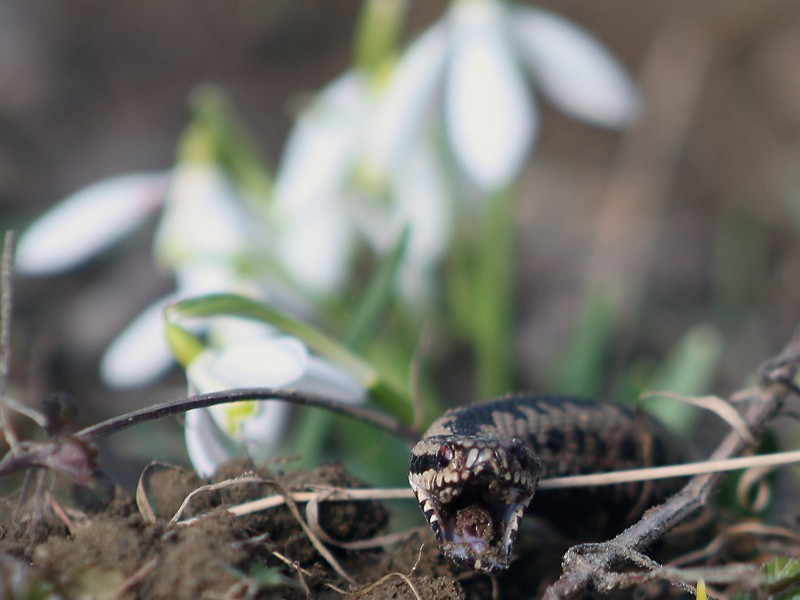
703, 197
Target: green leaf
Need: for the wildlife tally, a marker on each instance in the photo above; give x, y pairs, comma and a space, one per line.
378, 297
689, 370
781, 573
213, 305
582, 371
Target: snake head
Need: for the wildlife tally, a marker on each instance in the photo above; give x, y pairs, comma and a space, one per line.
474, 491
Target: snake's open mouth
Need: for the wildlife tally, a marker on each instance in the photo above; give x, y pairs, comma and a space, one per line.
475, 501
478, 529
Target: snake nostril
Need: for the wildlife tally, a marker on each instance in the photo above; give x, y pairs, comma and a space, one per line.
444, 455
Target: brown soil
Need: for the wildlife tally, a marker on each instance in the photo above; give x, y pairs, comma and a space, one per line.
130, 550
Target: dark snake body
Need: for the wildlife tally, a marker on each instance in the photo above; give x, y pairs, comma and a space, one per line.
476, 468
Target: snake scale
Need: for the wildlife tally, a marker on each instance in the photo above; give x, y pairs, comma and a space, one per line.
476, 470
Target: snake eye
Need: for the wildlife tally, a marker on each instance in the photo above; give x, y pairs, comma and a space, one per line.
444, 455
521, 453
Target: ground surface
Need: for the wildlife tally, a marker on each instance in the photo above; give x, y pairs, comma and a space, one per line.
93, 89
130, 550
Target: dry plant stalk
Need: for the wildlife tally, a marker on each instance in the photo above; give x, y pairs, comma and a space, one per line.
592, 565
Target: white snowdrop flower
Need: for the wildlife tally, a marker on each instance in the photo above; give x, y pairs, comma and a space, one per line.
403, 108
477, 62
420, 201
573, 70
352, 169
140, 354
204, 219
313, 234
488, 109
89, 221
252, 428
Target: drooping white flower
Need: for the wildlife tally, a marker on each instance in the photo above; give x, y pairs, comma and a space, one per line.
251, 428
205, 220
89, 221
139, 354
476, 63
488, 109
314, 234
341, 181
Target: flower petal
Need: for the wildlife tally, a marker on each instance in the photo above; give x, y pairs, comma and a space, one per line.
312, 237
401, 107
204, 219
267, 362
577, 73
140, 353
422, 202
487, 107
316, 250
319, 151
325, 378
207, 445
88, 221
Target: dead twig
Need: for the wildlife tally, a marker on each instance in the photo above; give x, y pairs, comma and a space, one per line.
592, 565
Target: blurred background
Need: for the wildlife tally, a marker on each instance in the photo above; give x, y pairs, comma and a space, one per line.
691, 218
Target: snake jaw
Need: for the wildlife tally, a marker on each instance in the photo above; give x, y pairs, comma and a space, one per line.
473, 492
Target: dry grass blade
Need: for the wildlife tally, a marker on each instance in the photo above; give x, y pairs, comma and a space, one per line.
341, 495
315, 541
753, 529
719, 406
378, 541
363, 593
301, 572
754, 478
143, 503
210, 488
61, 514
689, 469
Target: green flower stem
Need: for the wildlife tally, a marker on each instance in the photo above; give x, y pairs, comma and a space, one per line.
494, 297
377, 32
233, 148
312, 432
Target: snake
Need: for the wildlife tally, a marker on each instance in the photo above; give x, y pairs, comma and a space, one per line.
476, 469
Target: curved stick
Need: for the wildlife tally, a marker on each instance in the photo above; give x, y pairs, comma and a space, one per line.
173, 407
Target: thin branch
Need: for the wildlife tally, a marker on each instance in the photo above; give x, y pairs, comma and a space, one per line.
584, 569
174, 407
